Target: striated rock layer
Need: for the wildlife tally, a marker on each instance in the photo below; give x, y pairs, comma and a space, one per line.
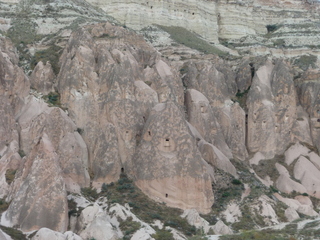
211, 19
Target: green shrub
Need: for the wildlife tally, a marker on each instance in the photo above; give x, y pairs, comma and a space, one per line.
10, 174
236, 182
21, 153
53, 98
3, 205
272, 28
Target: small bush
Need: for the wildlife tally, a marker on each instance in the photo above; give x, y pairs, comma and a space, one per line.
272, 28
236, 182
10, 174
21, 153
90, 193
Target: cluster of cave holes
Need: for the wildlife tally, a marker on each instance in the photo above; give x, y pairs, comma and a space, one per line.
151, 7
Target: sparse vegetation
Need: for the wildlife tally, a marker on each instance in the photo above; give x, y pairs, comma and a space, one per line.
90, 193
10, 174
21, 153
51, 54
129, 227
3, 205
15, 234
163, 235
53, 99
124, 191
306, 61
189, 39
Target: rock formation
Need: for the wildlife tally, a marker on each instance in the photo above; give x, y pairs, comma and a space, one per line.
168, 167
82, 140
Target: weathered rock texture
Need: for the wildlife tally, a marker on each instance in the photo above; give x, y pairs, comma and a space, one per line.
211, 19
40, 191
271, 109
109, 80
42, 78
168, 166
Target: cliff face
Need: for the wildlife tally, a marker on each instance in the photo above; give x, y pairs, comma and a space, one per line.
89, 140
212, 19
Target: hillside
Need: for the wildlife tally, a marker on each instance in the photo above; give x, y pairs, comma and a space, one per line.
132, 120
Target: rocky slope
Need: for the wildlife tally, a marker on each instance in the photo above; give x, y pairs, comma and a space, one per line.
124, 139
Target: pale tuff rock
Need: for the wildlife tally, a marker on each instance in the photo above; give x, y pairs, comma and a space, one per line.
201, 116
139, 14
211, 19
10, 160
216, 158
42, 78
4, 236
285, 184
232, 119
264, 207
221, 228
95, 223
196, 220
233, 213
214, 110
37, 118
297, 206
108, 85
309, 95
124, 212
294, 152
291, 214
214, 82
40, 191
179, 177
271, 109
308, 174
14, 86
301, 128
244, 75
48, 234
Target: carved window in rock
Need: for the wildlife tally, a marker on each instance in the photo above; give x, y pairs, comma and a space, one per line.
167, 142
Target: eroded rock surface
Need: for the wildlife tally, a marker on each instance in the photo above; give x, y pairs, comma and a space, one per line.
40, 191
168, 166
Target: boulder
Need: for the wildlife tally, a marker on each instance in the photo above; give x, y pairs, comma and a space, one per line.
291, 214
308, 174
167, 160
216, 158
221, 228
95, 223
196, 220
